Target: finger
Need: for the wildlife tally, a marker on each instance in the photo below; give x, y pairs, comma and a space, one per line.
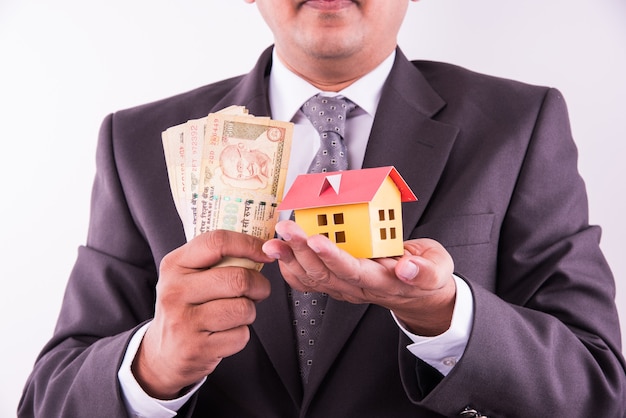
202, 355
177, 293
223, 314
225, 283
428, 248
302, 261
289, 267
277, 249
426, 263
207, 249
407, 269
291, 233
226, 343
334, 259
360, 272
291, 270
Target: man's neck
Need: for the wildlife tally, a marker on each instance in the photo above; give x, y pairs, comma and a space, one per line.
331, 75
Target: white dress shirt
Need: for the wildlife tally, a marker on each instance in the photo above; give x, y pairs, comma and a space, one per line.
287, 93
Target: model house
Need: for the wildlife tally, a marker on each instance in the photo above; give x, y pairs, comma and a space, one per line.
359, 210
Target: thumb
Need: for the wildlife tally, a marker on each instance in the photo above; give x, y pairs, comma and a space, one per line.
407, 269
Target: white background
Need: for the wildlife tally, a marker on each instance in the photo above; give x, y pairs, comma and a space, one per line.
65, 64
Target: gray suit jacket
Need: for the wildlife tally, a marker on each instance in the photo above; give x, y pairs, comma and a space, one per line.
494, 166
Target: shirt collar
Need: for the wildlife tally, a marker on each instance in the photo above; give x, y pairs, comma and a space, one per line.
287, 91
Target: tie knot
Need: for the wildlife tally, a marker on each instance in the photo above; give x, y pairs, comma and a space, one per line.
328, 114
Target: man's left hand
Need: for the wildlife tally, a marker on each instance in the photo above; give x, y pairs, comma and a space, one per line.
417, 286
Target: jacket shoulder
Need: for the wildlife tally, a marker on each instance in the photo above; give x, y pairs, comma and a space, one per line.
470, 92
456, 76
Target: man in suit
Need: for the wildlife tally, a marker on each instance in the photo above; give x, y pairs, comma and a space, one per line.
501, 306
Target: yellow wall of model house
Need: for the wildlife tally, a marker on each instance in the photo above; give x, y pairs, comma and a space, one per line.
388, 201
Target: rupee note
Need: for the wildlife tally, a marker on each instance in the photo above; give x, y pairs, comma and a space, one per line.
194, 137
174, 146
243, 170
230, 173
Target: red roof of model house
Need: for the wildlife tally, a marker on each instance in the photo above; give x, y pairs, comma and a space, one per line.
342, 188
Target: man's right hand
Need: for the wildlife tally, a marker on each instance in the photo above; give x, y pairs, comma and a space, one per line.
202, 313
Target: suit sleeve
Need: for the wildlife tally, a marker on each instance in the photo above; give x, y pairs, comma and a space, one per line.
547, 343
109, 293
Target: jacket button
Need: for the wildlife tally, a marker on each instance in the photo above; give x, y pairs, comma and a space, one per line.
471, 413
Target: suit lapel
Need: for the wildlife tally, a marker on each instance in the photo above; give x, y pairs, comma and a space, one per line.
405, 135
274, 328
252, 90
340, 320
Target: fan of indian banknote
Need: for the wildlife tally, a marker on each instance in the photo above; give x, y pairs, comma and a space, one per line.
227, 171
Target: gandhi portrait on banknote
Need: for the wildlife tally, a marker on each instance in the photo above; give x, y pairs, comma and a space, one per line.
243, 167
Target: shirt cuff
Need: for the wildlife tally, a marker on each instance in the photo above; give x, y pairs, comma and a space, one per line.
138, 403
444, 351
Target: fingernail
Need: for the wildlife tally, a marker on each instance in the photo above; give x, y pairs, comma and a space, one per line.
266, 248
314, 247
286, 237
407, 271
